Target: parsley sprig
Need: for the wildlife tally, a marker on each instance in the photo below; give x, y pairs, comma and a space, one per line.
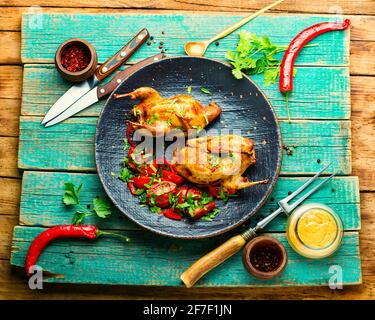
255, 55
100, 207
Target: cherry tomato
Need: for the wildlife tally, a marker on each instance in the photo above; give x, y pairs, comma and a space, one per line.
141, 181
161, 193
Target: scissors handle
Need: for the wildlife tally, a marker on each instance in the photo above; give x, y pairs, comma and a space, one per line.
122, 55
106, 89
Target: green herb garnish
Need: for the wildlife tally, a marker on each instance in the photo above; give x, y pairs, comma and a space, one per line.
206, 91
124, 174
101, 207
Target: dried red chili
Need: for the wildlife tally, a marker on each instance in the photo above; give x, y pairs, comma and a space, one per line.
75, 58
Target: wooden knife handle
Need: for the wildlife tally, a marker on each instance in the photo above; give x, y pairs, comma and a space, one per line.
212, 260
122, 55
106, 89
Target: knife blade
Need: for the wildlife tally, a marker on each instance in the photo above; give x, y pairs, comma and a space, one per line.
99, 92
77, 91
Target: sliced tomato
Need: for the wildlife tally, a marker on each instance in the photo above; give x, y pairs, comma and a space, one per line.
173, 177
181, 192
169, 213
160, 192
195, 193
199, 212
141, 181
149, 169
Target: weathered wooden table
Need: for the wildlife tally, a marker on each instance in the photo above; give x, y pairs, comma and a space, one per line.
334, 144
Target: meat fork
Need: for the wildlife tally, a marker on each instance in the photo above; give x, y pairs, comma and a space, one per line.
234, 244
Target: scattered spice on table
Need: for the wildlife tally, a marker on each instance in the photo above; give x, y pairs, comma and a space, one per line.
75, 58
289, 150
265, 259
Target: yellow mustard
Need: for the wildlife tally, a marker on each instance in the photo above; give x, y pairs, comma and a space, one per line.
314, 231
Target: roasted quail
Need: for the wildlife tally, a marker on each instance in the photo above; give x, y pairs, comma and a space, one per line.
160, 115
217, 160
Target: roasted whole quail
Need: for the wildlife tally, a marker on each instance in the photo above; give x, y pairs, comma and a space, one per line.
217, 160
160, 115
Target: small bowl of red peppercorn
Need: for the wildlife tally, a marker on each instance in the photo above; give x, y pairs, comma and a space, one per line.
264, 257
76, 60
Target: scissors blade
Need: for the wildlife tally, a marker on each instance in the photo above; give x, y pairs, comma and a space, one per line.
70, 97
86, 101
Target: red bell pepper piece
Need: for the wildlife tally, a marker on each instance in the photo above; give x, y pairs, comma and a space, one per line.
199, 212
169, 213
171, 176
132, 189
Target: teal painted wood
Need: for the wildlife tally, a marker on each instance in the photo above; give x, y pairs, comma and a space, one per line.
152, 260
41, 200
108, 32
327, 97
70, 145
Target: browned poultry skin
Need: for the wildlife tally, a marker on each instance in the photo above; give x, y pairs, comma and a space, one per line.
219, 160
161, 115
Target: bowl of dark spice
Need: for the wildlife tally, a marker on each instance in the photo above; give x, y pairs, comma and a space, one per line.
76, 60
264, 257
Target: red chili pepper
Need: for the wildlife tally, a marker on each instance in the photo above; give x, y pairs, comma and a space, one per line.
287, 65
59, 232
132, 189
169, 213
199, 212
128, 133
65, 231
171, 176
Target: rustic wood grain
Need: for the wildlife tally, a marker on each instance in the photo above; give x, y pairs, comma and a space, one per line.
9, 117
10, 196
10, 82
334, 6
8, 157
12, 286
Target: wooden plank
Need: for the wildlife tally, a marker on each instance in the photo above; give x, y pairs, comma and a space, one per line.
10, 196
69, 145
8, 157
40, 44
363, 26
8, 222
10, 79
362, 58
10, 47
346, 6
328, 98
363, 115
111, 261
41, 202
9, 117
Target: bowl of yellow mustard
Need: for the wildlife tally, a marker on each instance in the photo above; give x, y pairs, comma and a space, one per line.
314, 231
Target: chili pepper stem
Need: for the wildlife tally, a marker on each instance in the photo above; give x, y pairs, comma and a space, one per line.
105, 233
287, 105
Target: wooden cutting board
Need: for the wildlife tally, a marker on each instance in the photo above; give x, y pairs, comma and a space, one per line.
320, 110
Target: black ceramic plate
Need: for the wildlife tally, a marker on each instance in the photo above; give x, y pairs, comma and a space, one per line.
244, 106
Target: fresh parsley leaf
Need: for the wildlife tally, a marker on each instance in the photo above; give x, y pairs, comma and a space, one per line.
78, 217
71, 195
124, 174
206, 91
101, 207
270, 76
211, 215
189, 89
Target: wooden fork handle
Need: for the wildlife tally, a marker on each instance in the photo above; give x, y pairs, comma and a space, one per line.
212, 260
122, 55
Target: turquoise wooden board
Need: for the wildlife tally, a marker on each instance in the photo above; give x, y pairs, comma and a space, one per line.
41, 202
109, 32
328, 97
70, 145
320, 110
152, 260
